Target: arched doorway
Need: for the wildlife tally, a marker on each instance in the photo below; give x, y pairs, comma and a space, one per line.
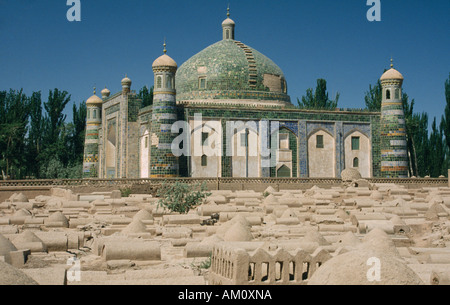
284, 172
321, 154
111, 143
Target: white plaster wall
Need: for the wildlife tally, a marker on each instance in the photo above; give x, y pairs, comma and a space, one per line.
284, 157
111, 151
322, 161
144, 155
110, 159
213, 150
239, 157
363, 154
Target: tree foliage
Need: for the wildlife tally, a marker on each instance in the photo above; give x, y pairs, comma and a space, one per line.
181, 197
14, 115
35, 140
146, 95
445, 121
436, 151
374, 97
318, 99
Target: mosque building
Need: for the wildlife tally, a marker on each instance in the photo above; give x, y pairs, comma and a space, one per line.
233, 100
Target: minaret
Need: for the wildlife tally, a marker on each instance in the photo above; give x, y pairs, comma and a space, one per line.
163, 163
394, 156
228, 27
126, 85
93, 122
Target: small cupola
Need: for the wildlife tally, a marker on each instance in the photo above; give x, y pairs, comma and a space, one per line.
126, 85
164, 69
228, 27
94, 100
105, 93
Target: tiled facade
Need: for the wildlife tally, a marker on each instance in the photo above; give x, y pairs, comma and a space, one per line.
300, 124
230, 82
163, 163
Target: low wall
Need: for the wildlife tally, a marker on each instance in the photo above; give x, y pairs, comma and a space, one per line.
33, 188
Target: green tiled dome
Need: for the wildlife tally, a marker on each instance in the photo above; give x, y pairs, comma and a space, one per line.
230, 70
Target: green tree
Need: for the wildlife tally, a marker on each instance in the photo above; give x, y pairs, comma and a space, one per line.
35, 133
445, 121
420, 140
55, 132
146, 95
437, 150
33, 144
408, 110
14, 115
374, 97
55, 105
318, 98
78, 132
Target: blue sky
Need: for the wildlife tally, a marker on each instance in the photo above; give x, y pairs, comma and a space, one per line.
41, 50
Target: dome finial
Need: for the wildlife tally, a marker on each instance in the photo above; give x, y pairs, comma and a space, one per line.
165, 50
95, 90
228, 26
392, 62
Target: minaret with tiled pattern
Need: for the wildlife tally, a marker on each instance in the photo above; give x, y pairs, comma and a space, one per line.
394, 156
163, 163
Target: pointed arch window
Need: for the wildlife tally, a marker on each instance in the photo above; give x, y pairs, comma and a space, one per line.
356, 163
388, 94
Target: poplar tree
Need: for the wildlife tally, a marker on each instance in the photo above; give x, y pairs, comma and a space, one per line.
445, 122
146, 95
374, 97
318, 99
35, 135
14, 114
437, 152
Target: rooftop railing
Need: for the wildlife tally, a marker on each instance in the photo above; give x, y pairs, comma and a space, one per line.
128, 181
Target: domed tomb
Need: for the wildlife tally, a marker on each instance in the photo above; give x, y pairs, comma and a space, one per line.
231, 72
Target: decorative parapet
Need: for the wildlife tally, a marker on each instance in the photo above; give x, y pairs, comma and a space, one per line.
231, 265
268, 181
